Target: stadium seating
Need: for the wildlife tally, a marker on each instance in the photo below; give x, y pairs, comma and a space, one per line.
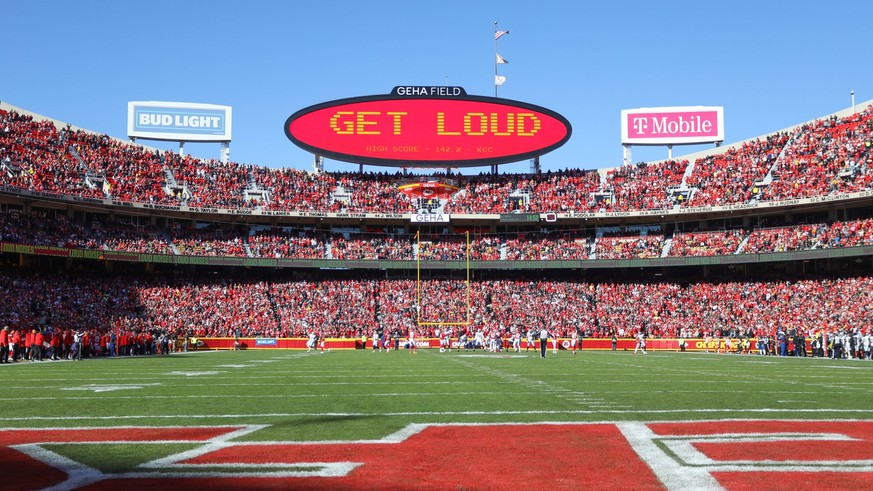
185, 305
108, 234
819, 158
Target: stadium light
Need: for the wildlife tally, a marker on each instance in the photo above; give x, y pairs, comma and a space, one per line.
853, 101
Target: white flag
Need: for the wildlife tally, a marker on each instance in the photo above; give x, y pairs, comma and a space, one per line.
498, 34
499, 80
501, 60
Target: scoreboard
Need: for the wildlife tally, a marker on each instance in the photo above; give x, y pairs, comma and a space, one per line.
427, 126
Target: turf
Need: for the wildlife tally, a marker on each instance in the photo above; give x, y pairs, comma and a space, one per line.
339, 389
359, 395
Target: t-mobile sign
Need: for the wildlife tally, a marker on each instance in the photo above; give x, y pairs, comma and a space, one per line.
672, 125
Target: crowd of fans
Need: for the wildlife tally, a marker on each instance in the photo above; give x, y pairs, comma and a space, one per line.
815, 236
645, 186
123, 315
279, 243
184, 307
629, 247
826, 156
730, 177
711, 243
99, 232
545, 247
822, 157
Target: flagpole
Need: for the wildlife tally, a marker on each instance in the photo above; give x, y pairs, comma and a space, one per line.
495, 59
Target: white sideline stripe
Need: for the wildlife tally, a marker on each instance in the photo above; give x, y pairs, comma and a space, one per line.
671, 474
43, 388
120, 427
449, 413
296, 384
260, 396
505, 423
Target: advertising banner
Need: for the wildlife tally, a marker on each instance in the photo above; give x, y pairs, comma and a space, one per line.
672, 125
179, 121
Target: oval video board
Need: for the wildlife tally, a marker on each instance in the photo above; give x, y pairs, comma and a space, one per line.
464, 131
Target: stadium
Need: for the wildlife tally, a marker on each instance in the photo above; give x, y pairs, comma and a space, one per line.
117, 253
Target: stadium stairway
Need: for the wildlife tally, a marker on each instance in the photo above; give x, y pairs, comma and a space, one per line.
742, 246
668, 244
274, 309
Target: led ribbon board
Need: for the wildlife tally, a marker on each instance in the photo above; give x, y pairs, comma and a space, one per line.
427, 128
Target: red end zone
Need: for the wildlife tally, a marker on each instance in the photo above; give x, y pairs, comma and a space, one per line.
681, 455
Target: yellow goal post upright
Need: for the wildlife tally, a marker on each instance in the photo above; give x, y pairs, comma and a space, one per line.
426, 322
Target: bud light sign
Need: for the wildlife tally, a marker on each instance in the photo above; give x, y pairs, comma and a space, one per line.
179, 121
672, 125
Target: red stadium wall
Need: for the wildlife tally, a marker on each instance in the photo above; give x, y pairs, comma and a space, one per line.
600, 344
274, 343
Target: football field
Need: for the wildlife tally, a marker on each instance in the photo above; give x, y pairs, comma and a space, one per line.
262, 419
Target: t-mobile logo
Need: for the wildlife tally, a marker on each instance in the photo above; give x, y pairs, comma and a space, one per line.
639, 124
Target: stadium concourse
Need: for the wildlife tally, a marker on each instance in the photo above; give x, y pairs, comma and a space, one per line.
66, 189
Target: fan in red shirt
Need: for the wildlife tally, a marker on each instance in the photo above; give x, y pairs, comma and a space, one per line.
4, 344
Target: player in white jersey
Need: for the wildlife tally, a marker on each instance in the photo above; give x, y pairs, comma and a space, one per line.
555, 341
516, 340
479, 340
412, 347
641, 343
868, 345
310, 344
574, 340
531, 341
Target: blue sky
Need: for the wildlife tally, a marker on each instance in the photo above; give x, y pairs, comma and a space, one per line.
770, 64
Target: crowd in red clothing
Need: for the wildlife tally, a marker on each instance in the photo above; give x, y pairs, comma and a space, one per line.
815, 236
730, 177
629, 247
372, 246
184, 307
645, 186
822, 157
279, 243
825, 156
711, 243
48, 228
545, 247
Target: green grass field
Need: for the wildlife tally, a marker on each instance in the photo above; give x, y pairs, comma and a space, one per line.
362, 395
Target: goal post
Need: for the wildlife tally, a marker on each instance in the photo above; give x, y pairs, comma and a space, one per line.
467, 288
